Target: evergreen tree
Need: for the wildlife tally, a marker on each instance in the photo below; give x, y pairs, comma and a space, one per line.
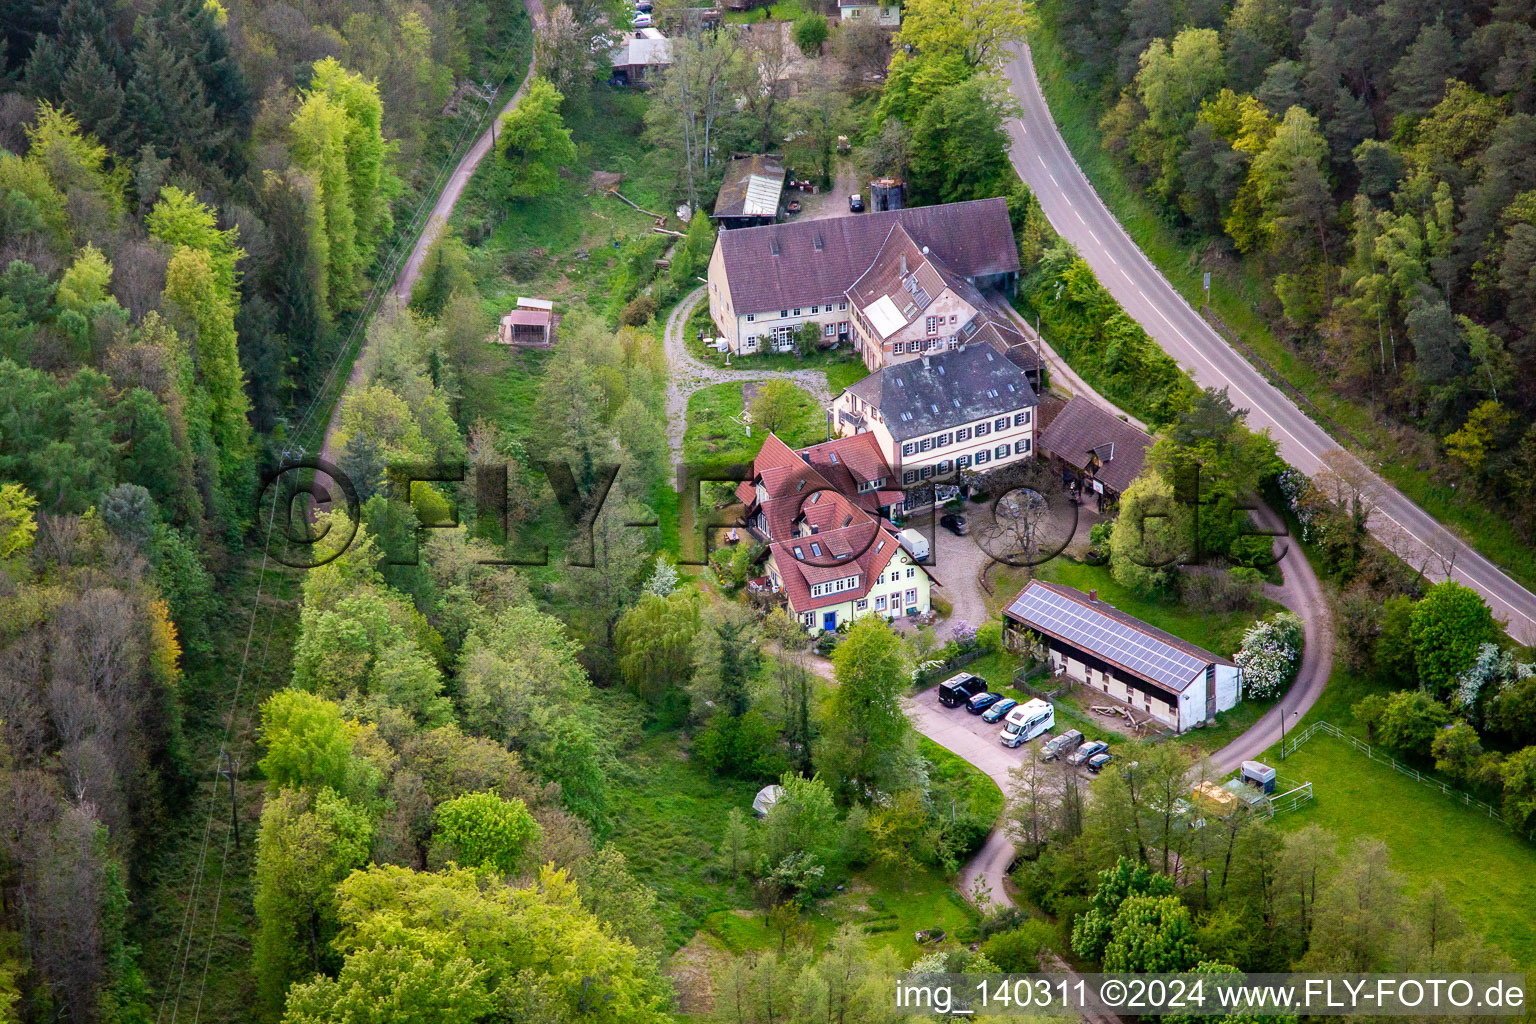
167, 105
45, 70
92, 93
197, 29
89, 23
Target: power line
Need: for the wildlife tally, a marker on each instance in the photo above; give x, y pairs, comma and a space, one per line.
392, 262
189, 917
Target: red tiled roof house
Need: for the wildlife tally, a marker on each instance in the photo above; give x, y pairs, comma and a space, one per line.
831, 553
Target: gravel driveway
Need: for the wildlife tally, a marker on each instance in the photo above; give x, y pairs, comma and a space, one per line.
689, 374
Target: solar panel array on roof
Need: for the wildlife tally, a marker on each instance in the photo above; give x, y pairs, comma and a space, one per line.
1113, 640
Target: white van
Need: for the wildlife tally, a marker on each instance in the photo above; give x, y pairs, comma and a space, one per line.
915, 543
1027, 721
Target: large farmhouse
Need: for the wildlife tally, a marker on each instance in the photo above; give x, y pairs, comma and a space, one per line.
967, 408
820, 511
1155, 672
909, 303
764, 282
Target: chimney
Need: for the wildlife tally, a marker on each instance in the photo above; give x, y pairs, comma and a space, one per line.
805, 457
1093, 596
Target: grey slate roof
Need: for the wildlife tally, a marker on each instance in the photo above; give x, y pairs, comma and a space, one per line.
780, 266
954, 388
1110, 634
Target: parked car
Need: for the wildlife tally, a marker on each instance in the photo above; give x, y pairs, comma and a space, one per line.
642, 21
1099, 760
856, 203
643, 6
1087, 750
958, 689
955, 524
1061, 746
979, 703
998, 710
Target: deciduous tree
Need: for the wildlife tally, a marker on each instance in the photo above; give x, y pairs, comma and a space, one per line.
533, 142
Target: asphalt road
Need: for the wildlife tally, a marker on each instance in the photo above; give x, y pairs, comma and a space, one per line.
1042, 159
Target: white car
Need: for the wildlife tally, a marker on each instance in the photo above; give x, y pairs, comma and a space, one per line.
642, 21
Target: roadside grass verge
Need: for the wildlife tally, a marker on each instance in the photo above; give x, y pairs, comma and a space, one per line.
1237, 294
969, 785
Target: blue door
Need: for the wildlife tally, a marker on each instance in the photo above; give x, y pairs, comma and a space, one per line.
829, 621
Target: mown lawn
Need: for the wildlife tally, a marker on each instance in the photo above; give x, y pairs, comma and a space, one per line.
1236, 296
1489, 872
716, 435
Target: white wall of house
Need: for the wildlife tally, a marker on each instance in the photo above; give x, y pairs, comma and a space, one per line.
902, 586
1171, 710
933, 331
760, 330
946, 450
886, 15
1229, 687
1190, 706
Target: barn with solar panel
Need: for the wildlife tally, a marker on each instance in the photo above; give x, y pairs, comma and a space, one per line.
1152, 671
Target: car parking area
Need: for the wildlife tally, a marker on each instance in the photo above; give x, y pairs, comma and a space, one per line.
966, 734
957, 730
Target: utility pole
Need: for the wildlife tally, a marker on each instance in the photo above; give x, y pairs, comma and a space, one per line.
234, 808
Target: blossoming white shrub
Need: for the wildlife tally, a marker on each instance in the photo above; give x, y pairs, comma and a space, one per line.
1270, 655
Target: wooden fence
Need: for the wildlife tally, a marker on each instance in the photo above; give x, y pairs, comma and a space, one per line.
1295, 740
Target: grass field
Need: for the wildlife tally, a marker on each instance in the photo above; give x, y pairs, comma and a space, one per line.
1489, 873
1236, 296
783, 10
562, 245
668, 819
715, 433
952, 771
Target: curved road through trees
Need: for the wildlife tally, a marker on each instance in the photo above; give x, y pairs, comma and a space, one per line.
1042, 159
442, 209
